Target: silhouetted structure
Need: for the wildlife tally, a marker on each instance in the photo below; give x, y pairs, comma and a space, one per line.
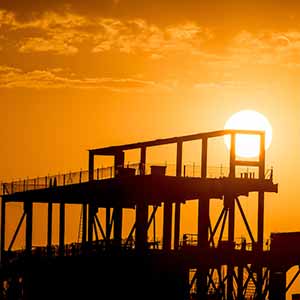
205, 265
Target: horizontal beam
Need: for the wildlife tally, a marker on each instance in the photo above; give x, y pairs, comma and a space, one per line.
199, 136
247, 163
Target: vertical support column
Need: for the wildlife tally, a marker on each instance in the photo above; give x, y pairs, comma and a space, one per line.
277, 284
203, 227
232, 155
260, 216
143, 161
49, 228
204, 158
28, 230
61, 229
167, 225
261, 196
203, 203
231, 218
240, 276
230, 204
91, 215
107, 223
141, 222
177, 204
203, 222
118, 211
84, 223
3, 217
91, 209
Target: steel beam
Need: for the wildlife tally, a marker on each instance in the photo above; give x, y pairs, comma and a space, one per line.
143, 161
167, 225
61, 229
91, 217
16, 232
199, 136
277, 284
177, 204
203, 222
107, 223
118, 211
49, 228
28, 230
141, 226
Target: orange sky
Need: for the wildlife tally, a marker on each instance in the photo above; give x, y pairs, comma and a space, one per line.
83, 74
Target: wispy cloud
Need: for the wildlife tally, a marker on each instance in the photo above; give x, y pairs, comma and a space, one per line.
267, 47
7, 19
137, 36
64, 33
11, 77
228, 84
55, 45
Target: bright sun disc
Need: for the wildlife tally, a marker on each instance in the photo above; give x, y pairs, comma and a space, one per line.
248, 145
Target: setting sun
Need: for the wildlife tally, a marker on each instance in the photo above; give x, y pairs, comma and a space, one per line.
248, 145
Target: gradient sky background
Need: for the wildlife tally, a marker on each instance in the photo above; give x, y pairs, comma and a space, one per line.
76, 75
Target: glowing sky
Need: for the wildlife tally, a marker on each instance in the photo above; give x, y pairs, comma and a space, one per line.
75, 75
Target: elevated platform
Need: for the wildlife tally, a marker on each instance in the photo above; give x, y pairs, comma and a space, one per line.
155, 189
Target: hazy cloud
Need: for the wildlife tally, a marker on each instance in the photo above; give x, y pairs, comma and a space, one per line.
64, 33
231, 84
267, 47
7, 19
138, 36
11, 77
54, 45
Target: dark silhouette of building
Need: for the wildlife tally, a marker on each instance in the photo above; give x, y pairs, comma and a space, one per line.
105, 264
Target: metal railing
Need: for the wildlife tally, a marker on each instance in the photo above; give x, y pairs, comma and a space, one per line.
191, 240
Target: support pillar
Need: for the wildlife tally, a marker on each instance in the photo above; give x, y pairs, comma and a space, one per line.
240, 295
88, 219
28, 230
107, 223
231, 220
261, 195
143, 161
61, 229
118, 211
118, 218
84, 223
277, 284
91, 216
203, 228
203, 222
167, 225
49, 228
203, 204
260, 217
201, 284
141, 226
178, 204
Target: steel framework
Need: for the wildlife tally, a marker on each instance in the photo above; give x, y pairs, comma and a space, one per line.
209, 264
